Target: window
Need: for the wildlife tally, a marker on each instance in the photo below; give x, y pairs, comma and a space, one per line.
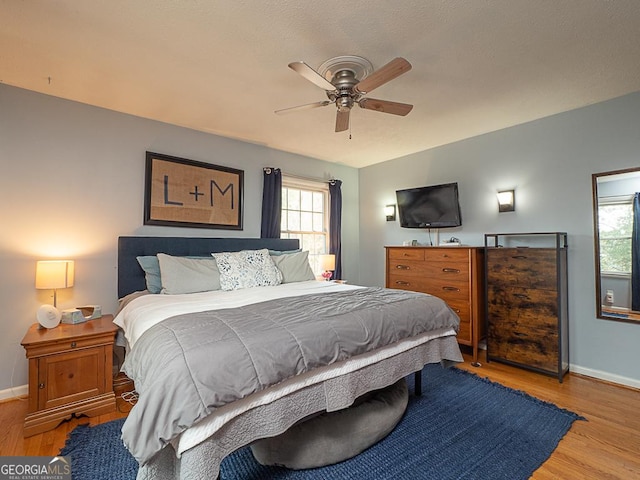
305, 216
615, 219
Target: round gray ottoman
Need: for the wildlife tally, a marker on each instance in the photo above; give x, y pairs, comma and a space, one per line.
336, 436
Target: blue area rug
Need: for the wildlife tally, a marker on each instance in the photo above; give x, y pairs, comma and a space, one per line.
463, 427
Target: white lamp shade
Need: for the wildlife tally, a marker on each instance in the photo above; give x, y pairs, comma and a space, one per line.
52, 274
328, 262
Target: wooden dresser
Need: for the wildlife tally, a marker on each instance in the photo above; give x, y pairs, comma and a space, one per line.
454, 274
527, 311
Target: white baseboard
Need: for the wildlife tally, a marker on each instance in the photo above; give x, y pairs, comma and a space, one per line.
609, 377
14, 392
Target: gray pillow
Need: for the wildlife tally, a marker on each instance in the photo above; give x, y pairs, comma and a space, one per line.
283, 252
151, 269
188, 275
294, 266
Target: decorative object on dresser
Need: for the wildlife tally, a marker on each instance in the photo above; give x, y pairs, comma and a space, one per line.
454, 274
527, 309
70, 372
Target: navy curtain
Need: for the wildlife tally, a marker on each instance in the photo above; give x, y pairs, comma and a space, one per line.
635, 255
335, 225
271, 203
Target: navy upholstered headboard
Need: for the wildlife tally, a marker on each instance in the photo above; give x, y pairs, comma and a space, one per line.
131, 276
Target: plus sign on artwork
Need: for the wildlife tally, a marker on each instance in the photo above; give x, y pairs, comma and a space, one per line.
186, 193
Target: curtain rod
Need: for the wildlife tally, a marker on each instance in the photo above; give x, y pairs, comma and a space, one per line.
299, 177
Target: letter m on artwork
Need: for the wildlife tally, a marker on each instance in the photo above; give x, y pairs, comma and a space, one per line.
214, 186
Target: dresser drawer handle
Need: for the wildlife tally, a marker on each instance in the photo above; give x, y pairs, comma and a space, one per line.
400, 282
520, 295
451, 289
451, 270
519, 257
74, 344
403, 267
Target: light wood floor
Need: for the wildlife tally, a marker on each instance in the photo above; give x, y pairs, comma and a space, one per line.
605, 446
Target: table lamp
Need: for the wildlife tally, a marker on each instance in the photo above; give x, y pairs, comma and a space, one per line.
328, 265
53, 274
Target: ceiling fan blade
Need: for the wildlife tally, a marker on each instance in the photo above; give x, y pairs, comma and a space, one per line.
342, 120
385, 106
308, 106
391, 70
310, 74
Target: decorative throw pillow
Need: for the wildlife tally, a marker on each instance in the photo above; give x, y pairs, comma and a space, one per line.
151, 269
188, 275
294, 266
247, 269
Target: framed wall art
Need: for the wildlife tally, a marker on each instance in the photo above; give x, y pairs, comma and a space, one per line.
186, 193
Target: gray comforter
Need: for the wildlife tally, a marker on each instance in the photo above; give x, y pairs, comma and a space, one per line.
188, 365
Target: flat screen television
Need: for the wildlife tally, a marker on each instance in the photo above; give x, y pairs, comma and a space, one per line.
434, 206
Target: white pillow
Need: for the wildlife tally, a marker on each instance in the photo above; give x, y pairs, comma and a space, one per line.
247, 269
188, 275
294, 266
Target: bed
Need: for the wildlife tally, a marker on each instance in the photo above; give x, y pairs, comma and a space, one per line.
204, 424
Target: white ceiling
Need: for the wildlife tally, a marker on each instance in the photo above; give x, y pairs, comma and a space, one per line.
220, 66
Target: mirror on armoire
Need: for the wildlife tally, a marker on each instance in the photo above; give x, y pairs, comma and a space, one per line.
616, 213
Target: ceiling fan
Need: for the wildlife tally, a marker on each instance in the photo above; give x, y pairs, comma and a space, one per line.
346, 80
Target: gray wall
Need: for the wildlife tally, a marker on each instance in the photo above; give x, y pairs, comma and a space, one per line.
72, 181
549, 162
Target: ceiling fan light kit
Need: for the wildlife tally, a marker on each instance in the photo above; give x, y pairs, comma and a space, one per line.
346, 80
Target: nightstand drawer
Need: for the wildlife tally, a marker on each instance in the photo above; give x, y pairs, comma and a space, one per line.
69, 345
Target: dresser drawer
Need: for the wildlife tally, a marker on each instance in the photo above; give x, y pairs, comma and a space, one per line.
535, 307
447, 270
410, 268
462, 309
464, 333
448, 254
450, 289
525, 344
404, 281
406, 254
532, 268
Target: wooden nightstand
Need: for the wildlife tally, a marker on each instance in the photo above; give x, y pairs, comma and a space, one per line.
70, 372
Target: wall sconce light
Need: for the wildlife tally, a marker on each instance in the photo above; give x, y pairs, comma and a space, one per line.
328, 264
390, 212
507, 201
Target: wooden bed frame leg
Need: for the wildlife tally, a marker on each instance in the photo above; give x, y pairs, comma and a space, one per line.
417, 376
